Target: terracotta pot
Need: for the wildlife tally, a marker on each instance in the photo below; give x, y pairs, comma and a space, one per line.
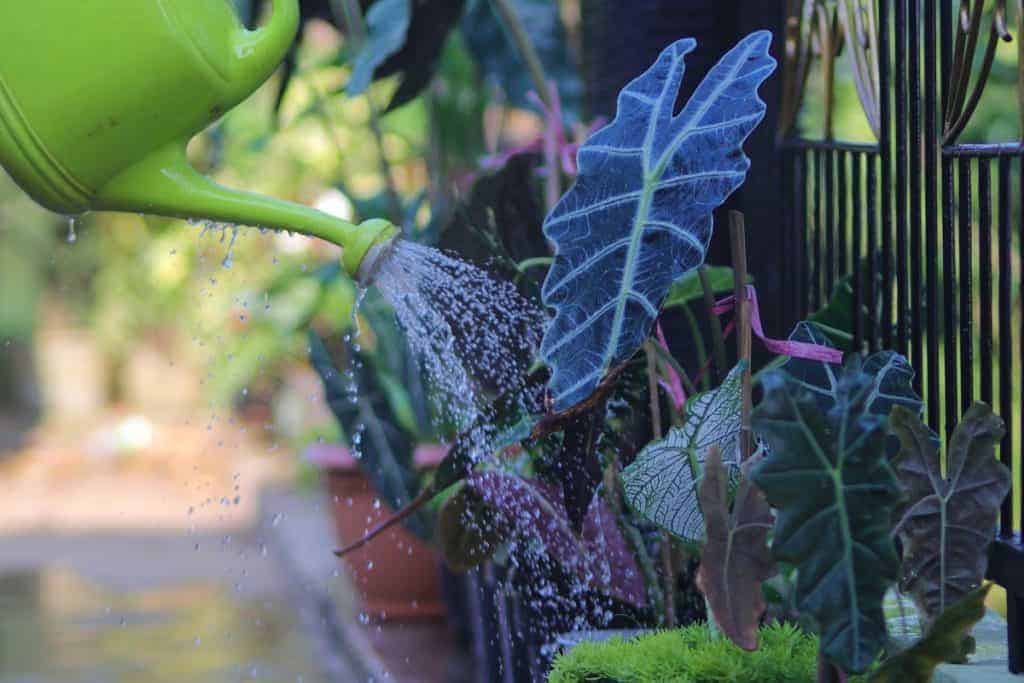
397, 576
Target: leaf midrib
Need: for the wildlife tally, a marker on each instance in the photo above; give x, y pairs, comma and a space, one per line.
651, 178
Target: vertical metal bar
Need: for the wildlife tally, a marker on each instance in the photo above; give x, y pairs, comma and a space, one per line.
872, 288
949, 310
857, 200
986, 342
816, 230
915, 292
966, 282
931, 219
842, 229
800, 229
1015, 630
830, 223
949, 251
1019, 526
902, 179
885, 147
1006, 331
786, 255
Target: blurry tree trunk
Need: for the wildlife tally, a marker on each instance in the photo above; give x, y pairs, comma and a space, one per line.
621, 39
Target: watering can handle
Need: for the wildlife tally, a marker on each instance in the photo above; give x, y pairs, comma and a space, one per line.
260, 51
166, 184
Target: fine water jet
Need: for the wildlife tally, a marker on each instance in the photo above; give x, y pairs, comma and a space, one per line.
96, 114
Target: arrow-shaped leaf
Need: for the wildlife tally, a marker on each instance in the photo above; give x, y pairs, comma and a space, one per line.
661, 484
735, 560
639, 214
892, 377
829, 479
917, 663
948, 521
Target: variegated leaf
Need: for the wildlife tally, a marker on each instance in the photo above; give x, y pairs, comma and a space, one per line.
661, 484
640, 213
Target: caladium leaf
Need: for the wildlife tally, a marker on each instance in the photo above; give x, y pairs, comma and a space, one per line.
947, 522
736, 559
828, 477
640, 212
918, 662
661, 484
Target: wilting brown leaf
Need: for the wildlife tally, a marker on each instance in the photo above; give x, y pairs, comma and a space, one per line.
947, 522
735, 560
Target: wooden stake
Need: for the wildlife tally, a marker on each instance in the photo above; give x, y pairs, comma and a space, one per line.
737, 237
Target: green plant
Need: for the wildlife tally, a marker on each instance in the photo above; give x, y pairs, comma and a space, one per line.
693, 653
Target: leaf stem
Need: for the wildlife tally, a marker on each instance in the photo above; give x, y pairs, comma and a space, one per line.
668, 359
717, 338
612, 492
699, 345
667, 570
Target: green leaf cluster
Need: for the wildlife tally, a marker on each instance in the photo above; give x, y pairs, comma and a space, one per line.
691, 655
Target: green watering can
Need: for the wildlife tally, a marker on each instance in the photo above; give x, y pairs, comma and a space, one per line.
99, 98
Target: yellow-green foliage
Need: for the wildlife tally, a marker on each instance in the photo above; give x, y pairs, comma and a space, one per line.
691, 655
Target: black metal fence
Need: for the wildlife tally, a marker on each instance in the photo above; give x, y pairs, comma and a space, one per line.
929, 231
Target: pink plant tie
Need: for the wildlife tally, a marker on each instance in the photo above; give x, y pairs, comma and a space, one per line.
793, 349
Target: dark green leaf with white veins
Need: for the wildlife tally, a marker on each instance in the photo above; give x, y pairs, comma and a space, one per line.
891, 374
834, 492
640, 212
661, 484
947, 522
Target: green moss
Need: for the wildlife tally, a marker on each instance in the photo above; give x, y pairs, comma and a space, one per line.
691, 655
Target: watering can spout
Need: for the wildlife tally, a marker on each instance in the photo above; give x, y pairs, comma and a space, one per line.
260, 51
95, 114
166, 184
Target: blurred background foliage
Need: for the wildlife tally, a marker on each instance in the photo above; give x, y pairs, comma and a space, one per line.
405, 140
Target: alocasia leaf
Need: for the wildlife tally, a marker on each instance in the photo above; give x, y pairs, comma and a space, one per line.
917, 663
834, 492
640, 212
735, 559
661, 484
947, 522
891, 376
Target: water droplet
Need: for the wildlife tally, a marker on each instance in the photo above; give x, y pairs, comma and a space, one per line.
72, 233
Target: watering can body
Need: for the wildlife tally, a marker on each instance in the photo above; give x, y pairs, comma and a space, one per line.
99, 98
